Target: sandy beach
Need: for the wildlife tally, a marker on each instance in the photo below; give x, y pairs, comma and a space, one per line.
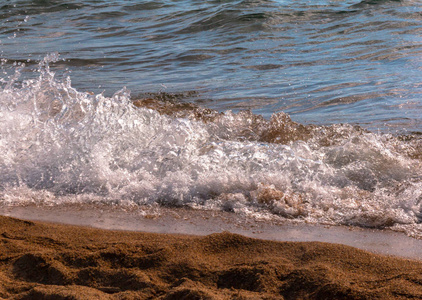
42, 260
237, 149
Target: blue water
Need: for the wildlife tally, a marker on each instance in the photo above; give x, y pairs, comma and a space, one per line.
301, 110
322, 62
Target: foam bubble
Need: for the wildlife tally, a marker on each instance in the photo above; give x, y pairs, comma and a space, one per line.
60, 145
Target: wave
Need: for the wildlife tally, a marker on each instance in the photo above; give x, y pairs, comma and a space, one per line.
255, 52
62, 146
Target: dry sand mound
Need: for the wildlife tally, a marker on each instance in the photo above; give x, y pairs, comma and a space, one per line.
50, 261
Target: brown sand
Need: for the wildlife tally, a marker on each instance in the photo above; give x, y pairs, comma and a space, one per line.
52, 261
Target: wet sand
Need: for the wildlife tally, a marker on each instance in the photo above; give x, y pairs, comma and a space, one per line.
202, 222
40, 260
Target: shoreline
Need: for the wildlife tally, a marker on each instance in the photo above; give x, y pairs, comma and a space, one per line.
54, 261
201, 222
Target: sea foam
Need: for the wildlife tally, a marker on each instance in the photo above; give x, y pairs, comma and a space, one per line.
59, 145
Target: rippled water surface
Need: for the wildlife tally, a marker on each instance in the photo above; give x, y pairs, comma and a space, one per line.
320, 61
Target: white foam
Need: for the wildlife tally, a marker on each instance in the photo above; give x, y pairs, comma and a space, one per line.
60, 145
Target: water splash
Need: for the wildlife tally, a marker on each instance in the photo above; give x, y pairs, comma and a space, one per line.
60, 146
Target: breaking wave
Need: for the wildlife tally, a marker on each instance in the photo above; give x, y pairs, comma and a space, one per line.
62, 146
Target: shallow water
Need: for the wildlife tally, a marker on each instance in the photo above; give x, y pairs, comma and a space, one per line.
346, 150
193, 222
319, 61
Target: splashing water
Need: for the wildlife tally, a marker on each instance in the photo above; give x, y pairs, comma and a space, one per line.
62, 146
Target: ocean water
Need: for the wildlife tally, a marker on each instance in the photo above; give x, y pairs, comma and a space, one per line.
307, 111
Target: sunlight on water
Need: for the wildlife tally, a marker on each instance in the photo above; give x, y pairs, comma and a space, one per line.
322, 62
60, 146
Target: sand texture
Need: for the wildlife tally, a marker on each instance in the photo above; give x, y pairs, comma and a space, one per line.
52, 261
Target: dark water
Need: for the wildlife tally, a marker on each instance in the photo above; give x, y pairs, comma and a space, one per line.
320, 61
334, 135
